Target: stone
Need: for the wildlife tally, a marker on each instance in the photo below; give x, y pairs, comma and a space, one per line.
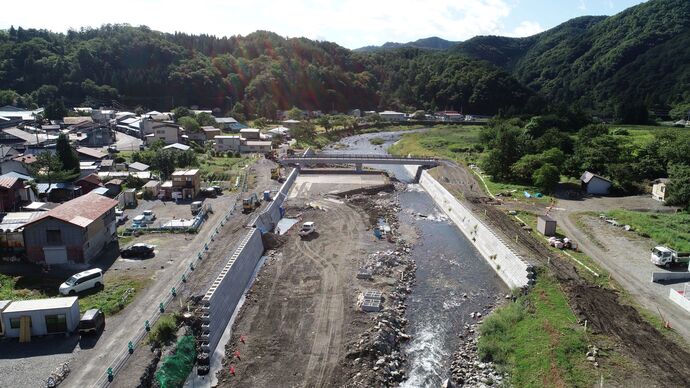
591, 358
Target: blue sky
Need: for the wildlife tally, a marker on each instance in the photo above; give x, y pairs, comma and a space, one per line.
350, 23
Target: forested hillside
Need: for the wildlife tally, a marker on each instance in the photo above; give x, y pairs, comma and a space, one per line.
431, 43
254, 75
639, 55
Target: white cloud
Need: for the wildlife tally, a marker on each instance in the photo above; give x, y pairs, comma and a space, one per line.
526, 28
351, 23
582, 6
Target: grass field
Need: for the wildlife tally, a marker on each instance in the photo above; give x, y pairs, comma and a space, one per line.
109, 299
672, 230
452, 142
221, 168
537, 340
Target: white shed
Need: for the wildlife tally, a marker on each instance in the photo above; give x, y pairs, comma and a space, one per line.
46, 316
595, 184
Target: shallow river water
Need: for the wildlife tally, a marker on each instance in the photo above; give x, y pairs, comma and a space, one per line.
453, 280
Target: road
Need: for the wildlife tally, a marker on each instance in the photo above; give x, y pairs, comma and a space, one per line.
125, 142
88, 365
623, 254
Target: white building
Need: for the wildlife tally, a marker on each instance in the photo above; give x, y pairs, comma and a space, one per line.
659, 189
595, 184
228, 143
39, 316
392, 115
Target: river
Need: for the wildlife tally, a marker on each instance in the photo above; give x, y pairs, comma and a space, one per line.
453, 280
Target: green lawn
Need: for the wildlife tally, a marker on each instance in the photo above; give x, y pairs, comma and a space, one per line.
449, 141
221, 168
668, 229
537, 340
110, 299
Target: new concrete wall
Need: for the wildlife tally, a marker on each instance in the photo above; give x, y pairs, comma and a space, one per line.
268, 219
660, 277
225, 292
514, 271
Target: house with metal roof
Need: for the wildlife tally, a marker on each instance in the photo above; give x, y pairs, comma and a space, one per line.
74, 232
595, 184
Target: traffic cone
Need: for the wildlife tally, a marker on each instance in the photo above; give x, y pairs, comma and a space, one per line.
232, 370
237, 354
242, 338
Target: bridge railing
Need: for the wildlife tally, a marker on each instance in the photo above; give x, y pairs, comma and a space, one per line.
361, 156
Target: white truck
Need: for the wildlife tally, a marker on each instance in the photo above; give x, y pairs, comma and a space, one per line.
307, 229
665, 256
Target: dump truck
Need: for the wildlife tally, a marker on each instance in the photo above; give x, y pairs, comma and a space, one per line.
250, 203
665, 256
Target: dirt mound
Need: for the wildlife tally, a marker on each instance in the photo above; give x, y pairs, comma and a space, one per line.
272, 240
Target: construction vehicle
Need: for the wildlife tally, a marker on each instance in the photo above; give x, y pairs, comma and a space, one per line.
276, 175
665, 256
250, 203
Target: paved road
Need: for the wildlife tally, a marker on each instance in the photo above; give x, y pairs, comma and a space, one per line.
623, 254
125, 142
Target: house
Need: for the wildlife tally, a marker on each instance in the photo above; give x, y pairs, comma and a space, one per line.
58, 192
138, 166
229, 124
107, 164
177, 146
186, 184
26, 192
392, 115
114, 187
90, 154
250, 133
161, 130
39, 317
228, 143
262, 146
89, 183
23, 138
11, 231
95, 135
659, 189
70, 121
102, 115
9, 111
10, 193
76, 231
7, 153
595, 184
449, 115
210, 132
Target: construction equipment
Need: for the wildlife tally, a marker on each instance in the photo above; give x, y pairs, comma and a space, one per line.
665, 256
276, 174
250, 203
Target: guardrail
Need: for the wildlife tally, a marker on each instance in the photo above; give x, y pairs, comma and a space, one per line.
123, 355
361, 156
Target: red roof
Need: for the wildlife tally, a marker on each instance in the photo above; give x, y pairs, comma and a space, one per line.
81, 211
8, 182
91, 178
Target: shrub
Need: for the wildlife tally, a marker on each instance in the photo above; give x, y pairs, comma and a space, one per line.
433, 142
163, 331
376, 141
495, 343
457, 148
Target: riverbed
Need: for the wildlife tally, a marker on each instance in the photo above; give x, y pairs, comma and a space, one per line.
452, 279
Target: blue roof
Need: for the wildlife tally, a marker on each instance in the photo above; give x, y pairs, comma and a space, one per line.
14, 174
44, 187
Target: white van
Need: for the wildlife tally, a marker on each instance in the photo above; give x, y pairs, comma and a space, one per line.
82, 281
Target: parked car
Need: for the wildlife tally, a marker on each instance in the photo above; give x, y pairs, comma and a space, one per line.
209, 192
82, 281
195, 207
113, 149
138, 250
139, 221
92, 321
307, 229
149, 216
120, 216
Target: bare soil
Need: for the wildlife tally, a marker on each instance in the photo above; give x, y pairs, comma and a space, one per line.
662, 360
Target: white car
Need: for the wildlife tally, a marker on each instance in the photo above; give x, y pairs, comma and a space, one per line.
307, 229
82, 281
148, 216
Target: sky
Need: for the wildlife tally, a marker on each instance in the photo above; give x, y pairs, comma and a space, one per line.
350, 23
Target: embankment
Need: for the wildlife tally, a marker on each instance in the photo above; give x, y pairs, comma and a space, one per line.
514, 270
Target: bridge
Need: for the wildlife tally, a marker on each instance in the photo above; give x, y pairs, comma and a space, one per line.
359, 160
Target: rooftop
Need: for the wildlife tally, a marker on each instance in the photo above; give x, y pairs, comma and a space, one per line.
81, 211
27, 159
177, 146
10, 222
250, 130
190, 172
139, 166
587, 176
7, 182
41, 304
76, 120
91, 178
91, 152
225, 120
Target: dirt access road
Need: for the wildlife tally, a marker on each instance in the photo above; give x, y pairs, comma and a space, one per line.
89, 364
302, 309
623, 254
659, 359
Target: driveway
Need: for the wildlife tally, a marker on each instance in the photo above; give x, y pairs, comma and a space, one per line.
125, 142
625, 255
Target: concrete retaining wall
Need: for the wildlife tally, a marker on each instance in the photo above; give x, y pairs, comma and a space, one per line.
679, 298
514, 271
268, 219
225, 292
660, 277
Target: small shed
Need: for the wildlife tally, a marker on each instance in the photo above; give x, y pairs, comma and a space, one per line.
659, 189
128, 199
41, 317
546, 225
595, 184
152, 188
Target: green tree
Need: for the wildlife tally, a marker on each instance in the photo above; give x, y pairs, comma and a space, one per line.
205, 119
189, 124
237, 112
67, 155
524, 169
181, 111
504, 151
303, 132
260, 123
55, 110
325, 122
546, 178
48, 169
295, 114
164, 161
678, 190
